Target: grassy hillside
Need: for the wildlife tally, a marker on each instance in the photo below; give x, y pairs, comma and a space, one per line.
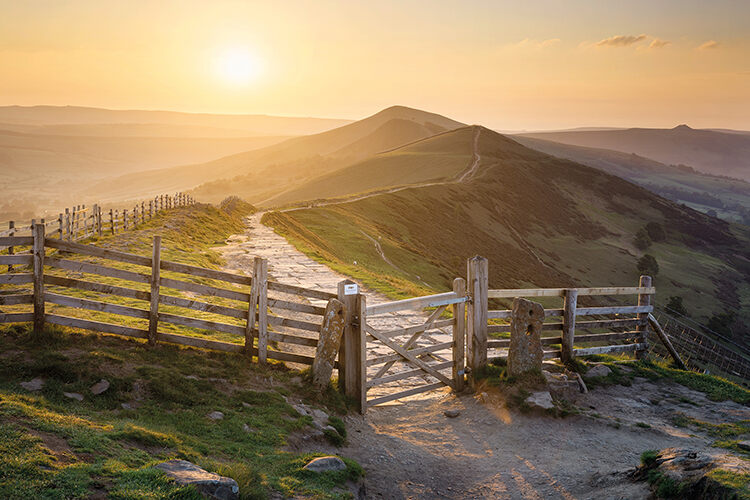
55, 447
541, 221
713, 152
433, 159
728, 197
259, 174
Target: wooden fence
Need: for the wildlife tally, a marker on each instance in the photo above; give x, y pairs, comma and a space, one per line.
81, 222
244, 299
620, 329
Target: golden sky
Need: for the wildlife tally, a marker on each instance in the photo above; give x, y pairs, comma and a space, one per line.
549, 64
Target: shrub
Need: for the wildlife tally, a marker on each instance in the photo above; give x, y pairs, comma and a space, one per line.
675, 305
656, 231
642, 240
648, 265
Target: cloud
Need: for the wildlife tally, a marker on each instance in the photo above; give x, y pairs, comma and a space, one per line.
709, 45
621, 40
538, 44
658, 43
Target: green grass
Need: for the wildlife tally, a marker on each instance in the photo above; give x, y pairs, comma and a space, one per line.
738, 482
55, 447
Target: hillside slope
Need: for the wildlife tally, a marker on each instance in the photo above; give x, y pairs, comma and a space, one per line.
540, 221
713, 152
259, 174
728, 197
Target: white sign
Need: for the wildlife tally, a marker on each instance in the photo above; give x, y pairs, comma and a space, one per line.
351, 289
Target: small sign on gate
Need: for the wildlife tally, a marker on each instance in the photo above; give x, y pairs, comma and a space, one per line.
352, 289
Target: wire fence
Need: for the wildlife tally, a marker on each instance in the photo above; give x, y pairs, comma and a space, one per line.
703, 352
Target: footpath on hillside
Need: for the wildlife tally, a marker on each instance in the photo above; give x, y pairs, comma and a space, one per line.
411, 449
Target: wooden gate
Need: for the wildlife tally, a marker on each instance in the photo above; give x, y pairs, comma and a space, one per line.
415, 340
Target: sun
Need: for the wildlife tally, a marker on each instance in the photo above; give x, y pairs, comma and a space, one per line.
238, 66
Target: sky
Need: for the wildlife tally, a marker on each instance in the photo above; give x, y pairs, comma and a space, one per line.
509, 65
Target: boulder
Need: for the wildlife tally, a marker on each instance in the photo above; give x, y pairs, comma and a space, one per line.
33, 385
208, 484
744, 445
73, 395
452, 413
328, 346
324, 464
525, 352
99, 387
598, 371
540, 400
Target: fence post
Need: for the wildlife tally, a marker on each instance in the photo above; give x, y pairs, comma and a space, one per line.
67, 224
260, 285
352, 357
124, 219
11, 250
94, 212
569, 325
73, 224
459, 334
60, 225
477, 284
642, 328
143, 212
150, 209
153, 313
38, 251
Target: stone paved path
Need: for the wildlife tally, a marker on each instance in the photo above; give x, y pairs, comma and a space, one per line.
288, 265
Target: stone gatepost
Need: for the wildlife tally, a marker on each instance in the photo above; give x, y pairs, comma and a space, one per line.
328, 344
525, 353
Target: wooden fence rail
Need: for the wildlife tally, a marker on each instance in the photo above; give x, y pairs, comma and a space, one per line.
81, 222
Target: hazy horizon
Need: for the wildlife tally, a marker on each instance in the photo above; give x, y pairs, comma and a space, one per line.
551, 65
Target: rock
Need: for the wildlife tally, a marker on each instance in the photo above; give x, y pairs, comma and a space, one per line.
323, 464
319, 415
248, 429
73, 395
33, 385
690, 469
552, 367
126, 406
100, 387
208, 484
744, 445
452, 413
540, 400
328, 344
215, 415
525, 351
598, 371
191, 377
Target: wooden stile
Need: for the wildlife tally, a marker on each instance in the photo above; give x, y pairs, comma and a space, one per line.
153, 318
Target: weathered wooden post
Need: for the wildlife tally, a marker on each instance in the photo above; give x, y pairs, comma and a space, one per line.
143, 212
135, 216
124, 219
38, 256
68, 226
153, 313
60, 225
112, 221
476, 333
150, 209
11, 250
73, 224
352, 353
569, 325
459, 334
644, 299
329, 343
94, 219
260, 275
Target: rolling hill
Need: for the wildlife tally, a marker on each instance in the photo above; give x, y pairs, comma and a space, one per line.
71, 120
540, 220
728, 197
710, 151
262, 173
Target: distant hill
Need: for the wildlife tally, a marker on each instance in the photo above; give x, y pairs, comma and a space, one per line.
540, 220
262, 173
247, 125
729, 198
718, 153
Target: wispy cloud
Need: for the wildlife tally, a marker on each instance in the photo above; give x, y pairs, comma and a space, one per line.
621, 40
537, 44
709, 45
658, 43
